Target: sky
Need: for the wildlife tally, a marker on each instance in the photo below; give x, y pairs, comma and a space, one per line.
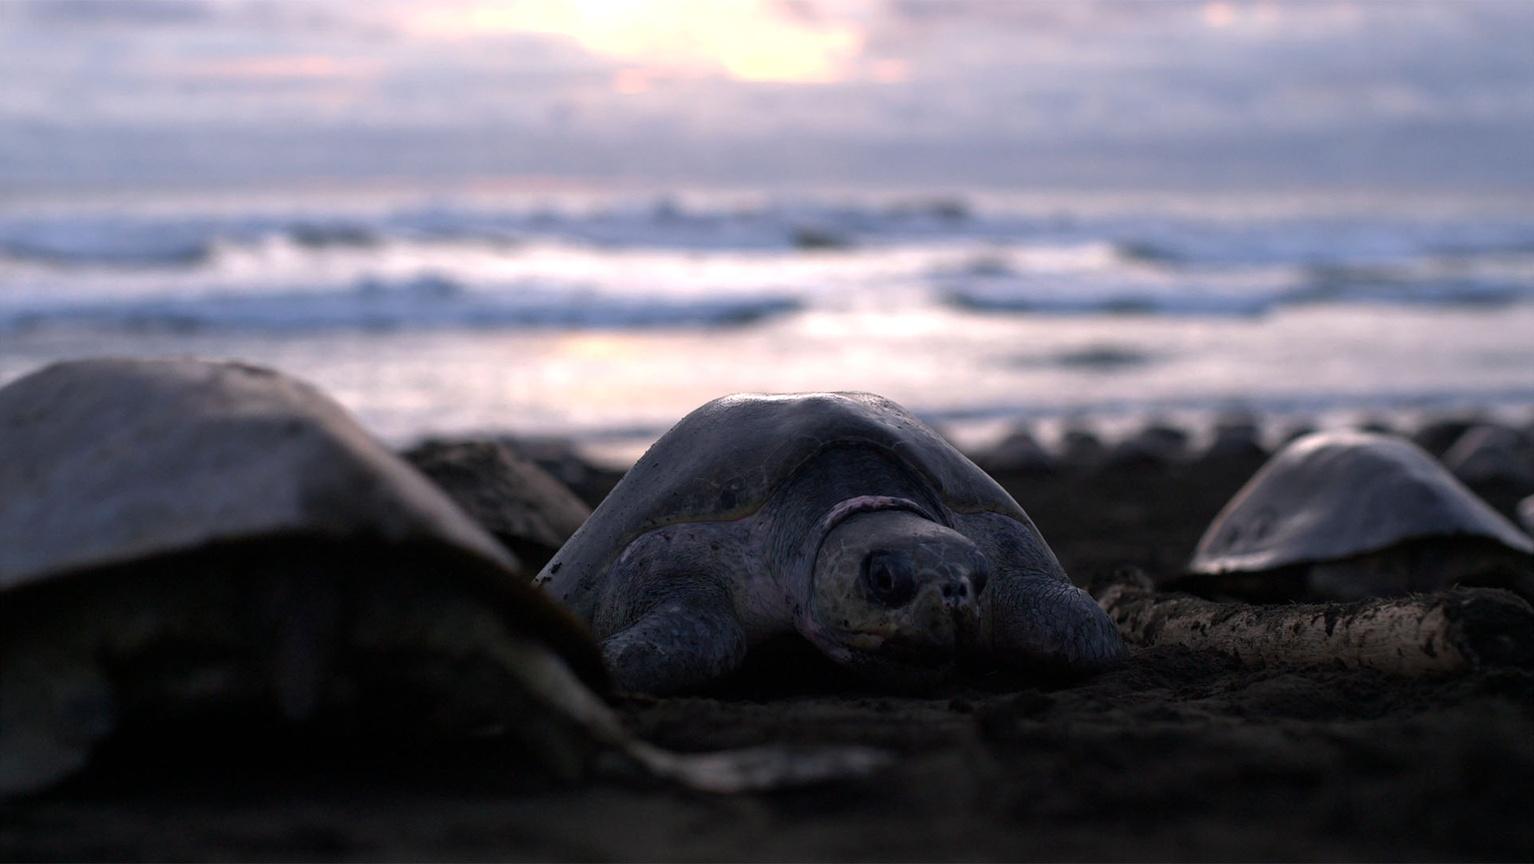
1123, 95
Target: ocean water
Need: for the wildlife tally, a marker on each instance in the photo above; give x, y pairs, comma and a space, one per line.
607, 317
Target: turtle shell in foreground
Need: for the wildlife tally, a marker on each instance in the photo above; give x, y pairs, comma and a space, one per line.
178, 535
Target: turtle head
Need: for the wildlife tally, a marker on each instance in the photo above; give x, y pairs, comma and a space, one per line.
894, 595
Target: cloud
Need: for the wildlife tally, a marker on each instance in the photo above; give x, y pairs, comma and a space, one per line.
1021, 93
111, 13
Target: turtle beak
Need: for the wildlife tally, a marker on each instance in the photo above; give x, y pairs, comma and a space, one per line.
950, 597
950, 608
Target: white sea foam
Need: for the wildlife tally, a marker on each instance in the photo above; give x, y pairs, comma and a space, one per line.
606, 316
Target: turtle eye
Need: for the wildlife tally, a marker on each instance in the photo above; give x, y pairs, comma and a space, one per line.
889, 578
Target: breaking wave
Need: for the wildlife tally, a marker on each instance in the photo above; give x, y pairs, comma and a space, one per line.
666, 263
424, 302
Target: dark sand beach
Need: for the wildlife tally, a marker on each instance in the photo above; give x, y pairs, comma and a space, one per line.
1176, 755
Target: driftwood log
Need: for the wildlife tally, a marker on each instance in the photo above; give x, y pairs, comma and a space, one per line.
1425, 634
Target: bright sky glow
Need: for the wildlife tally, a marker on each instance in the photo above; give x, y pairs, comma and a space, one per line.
1084, 93
276, 66
750, 40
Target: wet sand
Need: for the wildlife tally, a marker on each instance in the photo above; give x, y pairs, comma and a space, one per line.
1176, 755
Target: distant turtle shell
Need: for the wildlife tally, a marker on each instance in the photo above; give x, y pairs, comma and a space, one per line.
521, 505
1236, 438
1332, 495
1491, 453
1157, 444
724, 460
1436, 436
113, 461
1017, 452
1080, 448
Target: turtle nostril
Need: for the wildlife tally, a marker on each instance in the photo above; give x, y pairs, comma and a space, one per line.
956, 590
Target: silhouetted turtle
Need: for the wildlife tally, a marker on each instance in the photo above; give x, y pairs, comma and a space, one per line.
1236, 439
1491, 454
1018, 452
1350, 514
519, 503
563, 460
838, 516
1157, 445
1081, 449
182, 541
1438, 434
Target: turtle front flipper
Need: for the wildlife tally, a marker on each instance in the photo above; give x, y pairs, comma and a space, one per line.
1032, 617
684, 636
1043, 623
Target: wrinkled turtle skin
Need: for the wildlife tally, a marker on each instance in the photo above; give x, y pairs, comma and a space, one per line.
837, 516
1350, 514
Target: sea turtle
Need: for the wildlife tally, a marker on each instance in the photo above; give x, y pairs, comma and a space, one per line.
1436, 435
838, 516
1157, 445
1081, 449
186, 543
1350, 514
1235, 440
1018, 452
1493, 455
564, 460
519, 503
